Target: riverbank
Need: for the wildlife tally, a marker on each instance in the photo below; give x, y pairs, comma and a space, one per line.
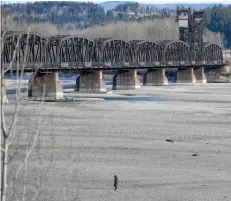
83, 144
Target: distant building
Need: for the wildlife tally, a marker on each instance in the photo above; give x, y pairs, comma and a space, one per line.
130, 13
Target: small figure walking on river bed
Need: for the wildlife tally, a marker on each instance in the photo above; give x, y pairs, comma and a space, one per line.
115, 182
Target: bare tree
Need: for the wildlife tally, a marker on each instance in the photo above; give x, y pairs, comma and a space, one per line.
153, 30
9, 126
17, 132
212, 37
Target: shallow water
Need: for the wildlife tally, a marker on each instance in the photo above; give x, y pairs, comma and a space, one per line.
149, 99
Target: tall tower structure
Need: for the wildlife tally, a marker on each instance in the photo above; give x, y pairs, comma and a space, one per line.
191, 30
197, 35
183, 18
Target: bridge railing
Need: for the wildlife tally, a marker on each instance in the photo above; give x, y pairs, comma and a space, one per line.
114, 65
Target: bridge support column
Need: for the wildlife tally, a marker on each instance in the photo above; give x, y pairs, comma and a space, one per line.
126, 79
155, 78
47, 84
186, 76
3, 92
91, 82
200, 75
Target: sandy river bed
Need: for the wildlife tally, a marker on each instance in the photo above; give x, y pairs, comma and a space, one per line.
82, 144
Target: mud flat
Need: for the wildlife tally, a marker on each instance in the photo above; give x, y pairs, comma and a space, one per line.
81, 145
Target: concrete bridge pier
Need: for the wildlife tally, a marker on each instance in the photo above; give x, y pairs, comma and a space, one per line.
126, 79
91, 82
155, 78
3, 92
46, 84
186, 76
219, 75
200, 75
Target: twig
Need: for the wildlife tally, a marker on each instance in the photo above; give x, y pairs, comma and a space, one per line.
31, 148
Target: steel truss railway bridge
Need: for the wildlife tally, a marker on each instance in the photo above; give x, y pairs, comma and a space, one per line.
46, 56
59, 53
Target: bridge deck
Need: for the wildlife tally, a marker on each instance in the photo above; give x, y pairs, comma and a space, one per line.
111, 66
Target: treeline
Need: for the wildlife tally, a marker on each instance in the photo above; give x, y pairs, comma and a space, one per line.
157, 30
72, 17
142, 10
218, 19
128, 7
79, 14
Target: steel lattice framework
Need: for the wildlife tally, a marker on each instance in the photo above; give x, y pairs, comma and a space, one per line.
21, 47
184, 17
197, 34
212, 52
76, 52
191, 30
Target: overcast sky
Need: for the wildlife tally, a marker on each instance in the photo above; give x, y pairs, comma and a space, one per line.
147, 1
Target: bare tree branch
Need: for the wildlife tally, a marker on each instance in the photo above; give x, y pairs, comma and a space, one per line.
18, 91
32, 146
13, 58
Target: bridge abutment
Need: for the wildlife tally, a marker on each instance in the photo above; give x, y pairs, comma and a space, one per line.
224, 70
126, 79
3, 92
200, 75
45, 84
186, 76
90, 82
155, 78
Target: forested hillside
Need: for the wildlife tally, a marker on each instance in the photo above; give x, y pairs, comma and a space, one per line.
76, 16
82, 15
218, 19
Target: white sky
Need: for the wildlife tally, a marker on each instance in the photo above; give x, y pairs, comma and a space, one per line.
145, 1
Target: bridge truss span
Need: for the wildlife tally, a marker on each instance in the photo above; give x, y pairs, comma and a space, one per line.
116, 51
212, 52
176, 51
70, 49
62, 52
147, 52
20, 47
